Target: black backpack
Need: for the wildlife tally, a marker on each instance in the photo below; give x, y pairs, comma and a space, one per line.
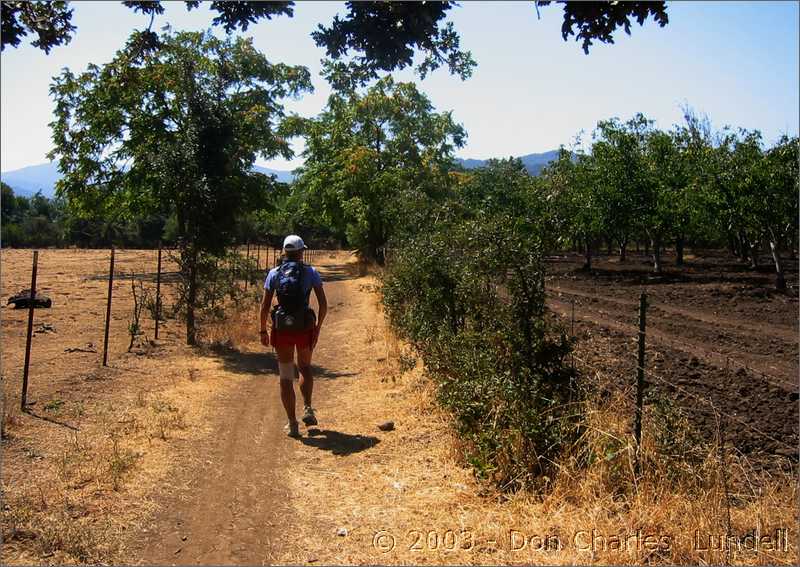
292, 312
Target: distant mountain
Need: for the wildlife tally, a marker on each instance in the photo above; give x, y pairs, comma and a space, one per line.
534, 163
282, 176
28, 180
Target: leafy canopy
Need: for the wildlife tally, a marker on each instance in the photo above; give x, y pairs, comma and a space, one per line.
384, 36
174, 128
374, 159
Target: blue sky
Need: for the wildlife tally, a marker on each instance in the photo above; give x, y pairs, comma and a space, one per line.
531, 91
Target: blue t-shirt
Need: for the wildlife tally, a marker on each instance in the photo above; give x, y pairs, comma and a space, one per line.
311, 278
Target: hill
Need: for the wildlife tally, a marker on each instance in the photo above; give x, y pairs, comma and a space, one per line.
28, 180
534, 163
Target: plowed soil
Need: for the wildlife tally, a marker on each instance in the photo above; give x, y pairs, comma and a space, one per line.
720, 340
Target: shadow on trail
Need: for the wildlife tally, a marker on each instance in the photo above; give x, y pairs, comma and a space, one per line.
338, 443
262, 363
338, 272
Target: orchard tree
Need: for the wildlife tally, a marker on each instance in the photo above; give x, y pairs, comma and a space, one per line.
175, 128
570, 182
773, 203
373, 162
623, 188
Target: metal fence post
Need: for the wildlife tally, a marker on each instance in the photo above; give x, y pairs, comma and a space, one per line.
158, 289
247, 266
637, 424
24, 397
108, 307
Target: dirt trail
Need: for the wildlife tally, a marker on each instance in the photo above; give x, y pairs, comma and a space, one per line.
231, 504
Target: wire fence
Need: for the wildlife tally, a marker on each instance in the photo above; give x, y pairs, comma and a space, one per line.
258, 258
644, 373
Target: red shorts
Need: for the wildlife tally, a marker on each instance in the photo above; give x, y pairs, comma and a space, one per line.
300, 339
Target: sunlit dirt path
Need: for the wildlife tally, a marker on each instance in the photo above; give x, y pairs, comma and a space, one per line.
230, 503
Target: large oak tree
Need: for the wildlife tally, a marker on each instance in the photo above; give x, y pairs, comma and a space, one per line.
176, 129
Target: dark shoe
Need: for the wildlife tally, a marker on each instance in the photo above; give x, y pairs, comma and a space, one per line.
308, 416
292, 429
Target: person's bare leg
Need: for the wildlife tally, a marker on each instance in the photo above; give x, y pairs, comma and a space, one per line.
286, 356
306, 374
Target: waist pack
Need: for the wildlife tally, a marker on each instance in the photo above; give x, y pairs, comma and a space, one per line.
303, 320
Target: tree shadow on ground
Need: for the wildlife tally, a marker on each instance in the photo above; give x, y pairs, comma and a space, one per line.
337, 442
339, 272
263, 363
123, 274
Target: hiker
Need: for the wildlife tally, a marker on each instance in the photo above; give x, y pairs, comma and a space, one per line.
293, 325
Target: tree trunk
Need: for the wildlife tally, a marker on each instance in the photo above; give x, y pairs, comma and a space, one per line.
657, 255
732, 245
191, 297
744, 247
679, 250
609, 246
753, 248
647, 247
588, 264
638, 249
780, 280
623, 249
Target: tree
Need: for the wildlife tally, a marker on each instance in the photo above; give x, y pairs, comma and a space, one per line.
768, 192
384, 35
616, 151
176, 128
599, 20
49, 21
374, 161
573, 203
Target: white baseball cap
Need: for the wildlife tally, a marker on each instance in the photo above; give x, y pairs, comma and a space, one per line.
292, 243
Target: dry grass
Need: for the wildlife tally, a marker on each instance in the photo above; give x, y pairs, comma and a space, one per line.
408, 496
84, 496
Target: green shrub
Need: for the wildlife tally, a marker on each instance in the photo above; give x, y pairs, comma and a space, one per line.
469, 295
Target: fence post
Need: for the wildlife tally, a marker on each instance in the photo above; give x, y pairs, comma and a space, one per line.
572, 324
247, 266
24, 397
158, 289
108, 307
723, 472
637, 424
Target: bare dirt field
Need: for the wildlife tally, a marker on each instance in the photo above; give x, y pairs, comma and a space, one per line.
721, 340
176, 455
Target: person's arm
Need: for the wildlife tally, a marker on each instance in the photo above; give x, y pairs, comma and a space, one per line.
323, 304
323, 311
266, 303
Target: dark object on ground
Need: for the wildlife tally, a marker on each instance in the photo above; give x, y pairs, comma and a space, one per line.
386, 426
88, 348
22, 300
